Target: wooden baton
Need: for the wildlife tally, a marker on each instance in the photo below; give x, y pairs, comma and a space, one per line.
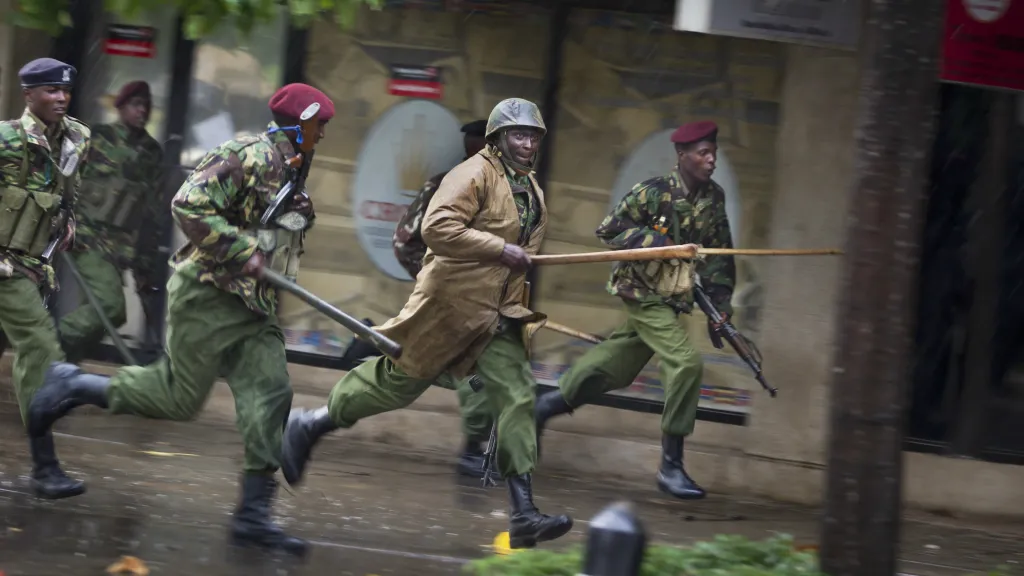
669, 252
556, 327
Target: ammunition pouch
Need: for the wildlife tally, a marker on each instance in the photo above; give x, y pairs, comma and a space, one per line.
669, 278
27, 219
27, 216
111, 202
282, 249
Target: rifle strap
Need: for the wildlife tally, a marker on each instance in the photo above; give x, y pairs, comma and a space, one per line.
23, 173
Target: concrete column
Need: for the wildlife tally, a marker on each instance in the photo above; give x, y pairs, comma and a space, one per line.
20, 46
6, 54
815, 152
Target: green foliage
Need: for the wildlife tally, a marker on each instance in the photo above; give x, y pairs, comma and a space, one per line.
723, 556
201, 16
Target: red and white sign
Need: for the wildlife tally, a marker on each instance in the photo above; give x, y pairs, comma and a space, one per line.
983, 43
125, 40
416, 81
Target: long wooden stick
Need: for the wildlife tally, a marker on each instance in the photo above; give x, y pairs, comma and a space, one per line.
556, 327
668, 252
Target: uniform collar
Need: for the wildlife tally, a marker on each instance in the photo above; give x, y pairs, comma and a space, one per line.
679, 184
121, 129
36, 130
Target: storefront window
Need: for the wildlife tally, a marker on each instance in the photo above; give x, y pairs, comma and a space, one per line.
233, 77
1006, 405
627, 82
118, 51
112, 60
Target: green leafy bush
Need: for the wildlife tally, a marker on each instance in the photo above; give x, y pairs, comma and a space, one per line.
201, 16
723, 556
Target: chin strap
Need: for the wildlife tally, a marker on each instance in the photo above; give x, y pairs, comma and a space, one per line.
501, 151
296, 129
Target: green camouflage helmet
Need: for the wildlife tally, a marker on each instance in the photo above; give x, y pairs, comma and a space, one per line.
514, 112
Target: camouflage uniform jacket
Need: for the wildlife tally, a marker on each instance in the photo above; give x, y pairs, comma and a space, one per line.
218, 208
121, 160
408, 240
701, 220
71, 138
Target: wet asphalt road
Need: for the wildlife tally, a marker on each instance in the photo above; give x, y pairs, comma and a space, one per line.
164, 492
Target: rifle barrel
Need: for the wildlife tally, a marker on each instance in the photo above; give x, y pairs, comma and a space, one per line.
119, 342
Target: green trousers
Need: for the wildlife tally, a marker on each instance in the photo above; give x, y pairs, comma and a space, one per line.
650, 328
377, 386
29, 329
475, 411
211, 333
82, 327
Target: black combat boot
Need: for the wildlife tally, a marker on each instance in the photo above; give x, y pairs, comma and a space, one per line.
64, 388
548, 406
672, 477
251, 524
304, 429
527, 526
48, 480
472, 460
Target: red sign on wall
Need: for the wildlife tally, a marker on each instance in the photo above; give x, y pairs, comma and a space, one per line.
416, 81
125, 40
983, 43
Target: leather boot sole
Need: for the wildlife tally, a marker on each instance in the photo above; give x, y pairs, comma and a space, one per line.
546, 534
243, 540
45, 493
681, 496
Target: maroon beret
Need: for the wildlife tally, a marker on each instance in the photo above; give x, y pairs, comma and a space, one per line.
695, 132
293, 99
131, 90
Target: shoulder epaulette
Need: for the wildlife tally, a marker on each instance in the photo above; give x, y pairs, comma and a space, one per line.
242, 142
79, 125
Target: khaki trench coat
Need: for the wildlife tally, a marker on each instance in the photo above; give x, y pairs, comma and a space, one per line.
453, 311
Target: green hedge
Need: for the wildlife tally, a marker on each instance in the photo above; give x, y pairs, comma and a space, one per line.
723, 556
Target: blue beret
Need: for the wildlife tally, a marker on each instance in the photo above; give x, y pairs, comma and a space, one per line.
475, 128
696, 132
46, 72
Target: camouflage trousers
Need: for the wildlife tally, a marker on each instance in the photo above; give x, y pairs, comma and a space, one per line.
82, 328
211, 333
651, 328
377, 386
29, 329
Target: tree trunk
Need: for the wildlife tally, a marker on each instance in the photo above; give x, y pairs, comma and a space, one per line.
899, 90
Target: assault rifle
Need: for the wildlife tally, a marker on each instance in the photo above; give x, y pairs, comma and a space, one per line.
60, 228
309, 130
740, 343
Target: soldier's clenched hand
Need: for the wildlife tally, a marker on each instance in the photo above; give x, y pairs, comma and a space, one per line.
254, 266
69, 235
691, 248
302, 204
514, 257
